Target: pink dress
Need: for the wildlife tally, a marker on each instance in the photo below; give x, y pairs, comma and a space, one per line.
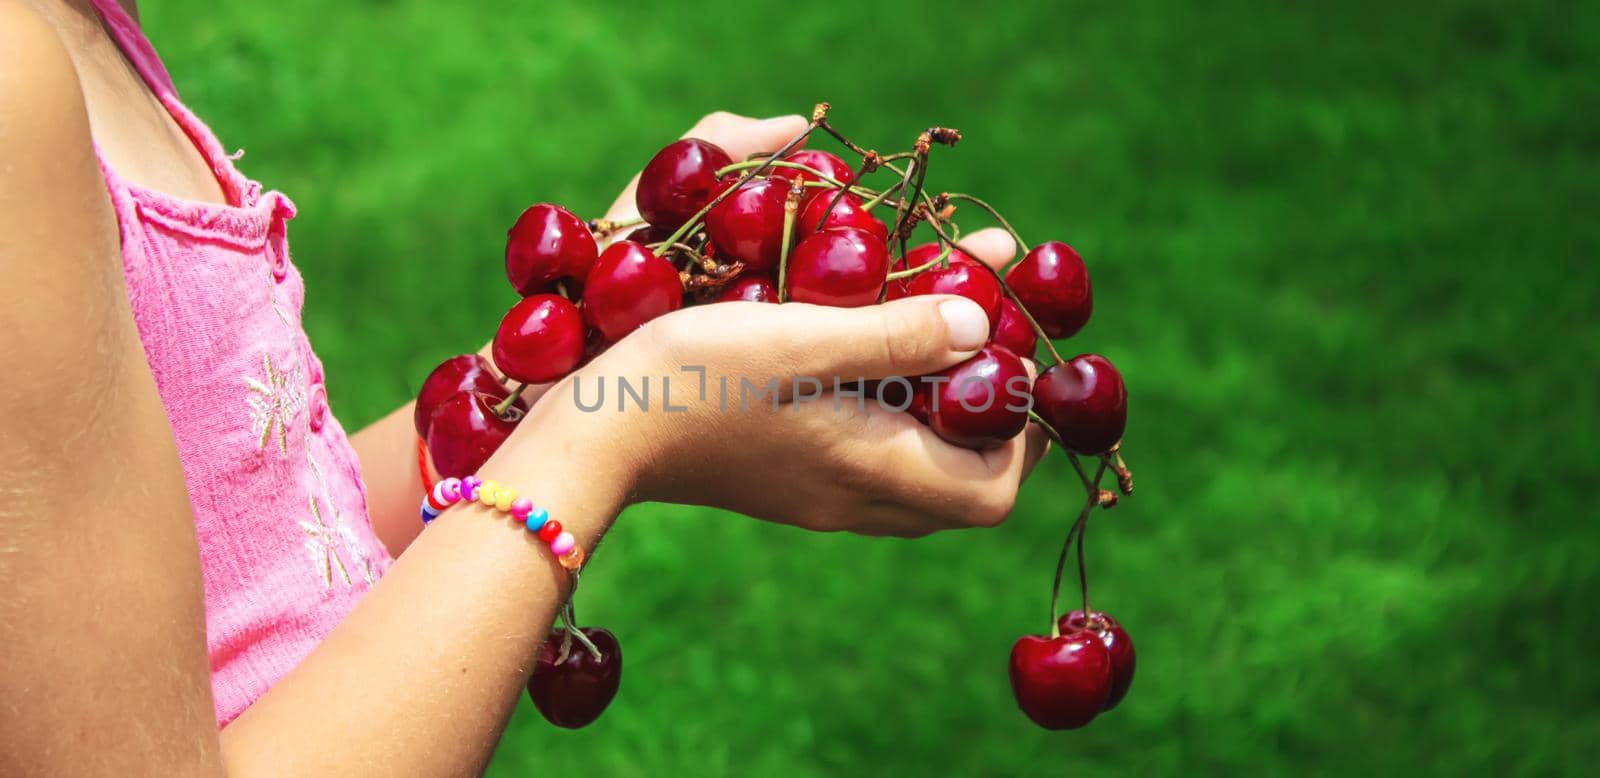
286, 547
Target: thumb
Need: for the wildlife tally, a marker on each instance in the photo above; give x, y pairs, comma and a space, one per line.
907, 337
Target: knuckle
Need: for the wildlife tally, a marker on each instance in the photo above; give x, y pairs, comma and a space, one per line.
993, 508
904, 348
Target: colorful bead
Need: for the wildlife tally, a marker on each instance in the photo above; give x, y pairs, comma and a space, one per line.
537, 519
430, 511
572, 560
520, 508
487, 492
550, 531
563, 543
450, 489
469, 488
435, 498
504, 498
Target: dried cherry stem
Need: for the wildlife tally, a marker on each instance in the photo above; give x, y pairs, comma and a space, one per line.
694, 221
1066, 546
1022, 245
1004, 287
1124, 475
511, 399
791, 206
603, 228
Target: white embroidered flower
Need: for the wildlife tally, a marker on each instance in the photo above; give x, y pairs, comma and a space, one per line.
322, 543
340, 528
274, 402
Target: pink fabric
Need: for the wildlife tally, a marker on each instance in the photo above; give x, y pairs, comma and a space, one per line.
286, 547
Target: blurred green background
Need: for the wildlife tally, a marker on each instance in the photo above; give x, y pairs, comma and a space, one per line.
1346, 255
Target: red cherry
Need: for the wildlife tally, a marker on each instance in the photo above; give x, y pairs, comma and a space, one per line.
540, 339
984, 403
679, 180
574, 692
816, 160
547, 245
1085, 401
470, 372
1013, 332
1053, 284
748, 224
629, 286
963, 278
843, 268
847, 213
1117, 642
465, 432
755, 288
1061, 682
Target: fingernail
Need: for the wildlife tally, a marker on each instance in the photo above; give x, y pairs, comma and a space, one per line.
968, 324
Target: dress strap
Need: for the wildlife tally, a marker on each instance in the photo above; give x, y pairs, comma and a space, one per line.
125, 31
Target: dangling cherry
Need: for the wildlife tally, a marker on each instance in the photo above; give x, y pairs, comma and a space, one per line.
1053, 284
1085, 401
963, 278
985, 402
843, 268
755, 288
1013, 332
469, 372
847, 213
465, 432
540, 339
748, 224
679, 180
1061, 682
629, 286
1117, 642
573, 691
547, 245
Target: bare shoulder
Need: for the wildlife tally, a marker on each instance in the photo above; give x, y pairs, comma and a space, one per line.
58, 233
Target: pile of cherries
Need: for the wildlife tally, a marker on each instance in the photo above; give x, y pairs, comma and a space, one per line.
800, 226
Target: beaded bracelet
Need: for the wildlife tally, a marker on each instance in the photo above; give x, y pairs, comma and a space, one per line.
449, 491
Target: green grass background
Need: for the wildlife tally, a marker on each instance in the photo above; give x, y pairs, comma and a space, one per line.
1344, 253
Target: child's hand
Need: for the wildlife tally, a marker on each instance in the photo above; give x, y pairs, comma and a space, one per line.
810, 461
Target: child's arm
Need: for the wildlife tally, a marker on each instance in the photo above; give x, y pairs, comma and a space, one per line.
105, 667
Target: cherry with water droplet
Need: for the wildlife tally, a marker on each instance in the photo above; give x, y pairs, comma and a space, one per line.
465, 432
679, 180
629, 286
540, 339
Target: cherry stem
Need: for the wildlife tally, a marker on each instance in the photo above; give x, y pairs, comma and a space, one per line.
880, 197
1076, 530
1004, 287
899, 274
1021, 244
511, 399
694, 221
833, 183
791, 206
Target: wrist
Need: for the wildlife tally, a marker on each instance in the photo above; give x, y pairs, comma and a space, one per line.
572, 464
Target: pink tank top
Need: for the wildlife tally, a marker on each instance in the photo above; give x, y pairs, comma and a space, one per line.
286, 547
